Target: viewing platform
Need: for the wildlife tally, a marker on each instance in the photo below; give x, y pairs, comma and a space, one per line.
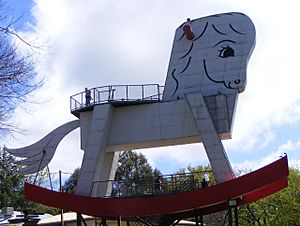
118, 95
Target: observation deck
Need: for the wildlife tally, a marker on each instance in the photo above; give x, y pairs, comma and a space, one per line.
118, 95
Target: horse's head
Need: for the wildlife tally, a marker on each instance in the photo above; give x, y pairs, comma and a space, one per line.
210, 56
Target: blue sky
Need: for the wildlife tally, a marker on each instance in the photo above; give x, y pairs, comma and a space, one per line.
85, 41
22, 9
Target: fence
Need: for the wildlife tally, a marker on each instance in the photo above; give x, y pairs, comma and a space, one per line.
166, 184
117, 94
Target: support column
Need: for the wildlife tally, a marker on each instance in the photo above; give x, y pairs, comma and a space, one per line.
78, 219
211, 141
232, 206
105, 174
103, 222
197, 220
119, 221
128, 222
96, 164
201, 220
236, 216
230, 221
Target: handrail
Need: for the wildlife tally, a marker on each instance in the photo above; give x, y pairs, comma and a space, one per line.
168, 184
117, 94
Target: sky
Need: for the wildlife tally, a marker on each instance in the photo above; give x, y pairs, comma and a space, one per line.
94, 43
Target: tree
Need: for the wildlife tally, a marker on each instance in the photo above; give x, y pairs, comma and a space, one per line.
135, 176
12, 186
281, 208
132, 166
17, 70
199, 172
11, 182
71, 183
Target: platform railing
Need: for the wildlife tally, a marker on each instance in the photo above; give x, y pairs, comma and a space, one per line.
117, 94
167, 184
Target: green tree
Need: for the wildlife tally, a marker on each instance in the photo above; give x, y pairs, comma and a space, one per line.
70, 184
131, 167
12, 186
135, 176
281, 208
199, 172
11, 182
134, 166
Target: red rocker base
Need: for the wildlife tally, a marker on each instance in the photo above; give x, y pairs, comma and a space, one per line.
245, 189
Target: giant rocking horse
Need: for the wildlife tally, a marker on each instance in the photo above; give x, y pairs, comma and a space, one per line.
207, 72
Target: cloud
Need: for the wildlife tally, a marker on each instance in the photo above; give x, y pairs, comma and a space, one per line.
289, 147
176, 157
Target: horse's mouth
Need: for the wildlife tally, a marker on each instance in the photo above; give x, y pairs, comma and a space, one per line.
228, 85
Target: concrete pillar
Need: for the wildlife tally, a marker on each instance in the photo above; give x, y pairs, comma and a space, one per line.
212, 143
105, 175
96, 164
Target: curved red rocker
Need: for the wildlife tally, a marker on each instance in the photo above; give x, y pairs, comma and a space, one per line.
244, 189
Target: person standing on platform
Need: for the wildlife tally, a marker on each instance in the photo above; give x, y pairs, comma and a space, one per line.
87, 96
157, 184
204, 183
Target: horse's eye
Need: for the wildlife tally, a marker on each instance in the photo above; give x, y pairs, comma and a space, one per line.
226, 52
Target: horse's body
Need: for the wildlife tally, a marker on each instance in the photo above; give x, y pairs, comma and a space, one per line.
207, 71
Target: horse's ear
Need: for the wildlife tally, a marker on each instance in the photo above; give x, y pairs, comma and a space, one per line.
188, 32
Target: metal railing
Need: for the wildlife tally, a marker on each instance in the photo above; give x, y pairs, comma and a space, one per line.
117, 94
168, 184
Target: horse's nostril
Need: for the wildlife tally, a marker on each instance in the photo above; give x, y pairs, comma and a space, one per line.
237, 81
